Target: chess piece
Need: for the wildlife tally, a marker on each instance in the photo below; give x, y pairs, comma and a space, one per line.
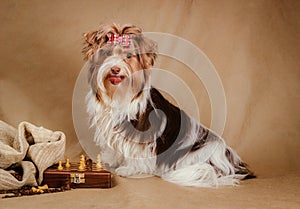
45, 187
99, 163
82, 159
81, 162
34, 190
60, 167
68, 165
89, 164
81, 166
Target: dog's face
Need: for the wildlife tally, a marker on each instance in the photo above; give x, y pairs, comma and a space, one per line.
120, 58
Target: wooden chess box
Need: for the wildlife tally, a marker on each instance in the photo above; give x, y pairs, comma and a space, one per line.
72, 178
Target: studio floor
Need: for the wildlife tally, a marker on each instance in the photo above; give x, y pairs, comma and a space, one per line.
275, 191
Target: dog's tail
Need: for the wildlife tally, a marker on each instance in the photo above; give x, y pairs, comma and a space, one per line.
223, 168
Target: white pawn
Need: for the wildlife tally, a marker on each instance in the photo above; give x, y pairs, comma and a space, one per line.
98, 163
82, 159
81, 166
60, 167
68, 165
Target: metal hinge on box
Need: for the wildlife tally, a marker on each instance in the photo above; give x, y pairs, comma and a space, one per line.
77, 178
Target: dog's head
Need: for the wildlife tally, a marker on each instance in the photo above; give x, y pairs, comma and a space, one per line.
118, 57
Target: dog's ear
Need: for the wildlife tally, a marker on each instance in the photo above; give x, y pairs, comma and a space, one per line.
94, 40
147, 48
148, 51
91, 44
90, 37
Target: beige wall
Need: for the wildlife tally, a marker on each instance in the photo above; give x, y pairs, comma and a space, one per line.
254, 46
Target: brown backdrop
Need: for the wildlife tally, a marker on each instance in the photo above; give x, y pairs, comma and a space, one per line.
254, 46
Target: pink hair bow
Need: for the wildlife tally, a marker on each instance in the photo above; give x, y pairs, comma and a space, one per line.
116, 39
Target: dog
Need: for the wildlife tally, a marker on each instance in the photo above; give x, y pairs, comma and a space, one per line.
138, 130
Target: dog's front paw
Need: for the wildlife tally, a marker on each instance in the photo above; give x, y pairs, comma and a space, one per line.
124, 171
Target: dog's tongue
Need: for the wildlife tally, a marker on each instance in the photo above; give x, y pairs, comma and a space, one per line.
115, 80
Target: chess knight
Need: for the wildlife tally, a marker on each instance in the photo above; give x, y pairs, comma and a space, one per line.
138, 130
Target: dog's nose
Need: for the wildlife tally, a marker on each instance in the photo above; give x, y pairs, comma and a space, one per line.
115, 69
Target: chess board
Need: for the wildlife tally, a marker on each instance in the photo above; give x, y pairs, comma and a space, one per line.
72, 178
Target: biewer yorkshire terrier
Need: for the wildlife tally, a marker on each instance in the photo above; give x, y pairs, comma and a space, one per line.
137, 129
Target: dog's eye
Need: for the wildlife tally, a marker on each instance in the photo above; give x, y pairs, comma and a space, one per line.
108, 53
128, 55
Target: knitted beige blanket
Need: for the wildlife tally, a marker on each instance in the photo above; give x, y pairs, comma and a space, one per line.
30, 149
